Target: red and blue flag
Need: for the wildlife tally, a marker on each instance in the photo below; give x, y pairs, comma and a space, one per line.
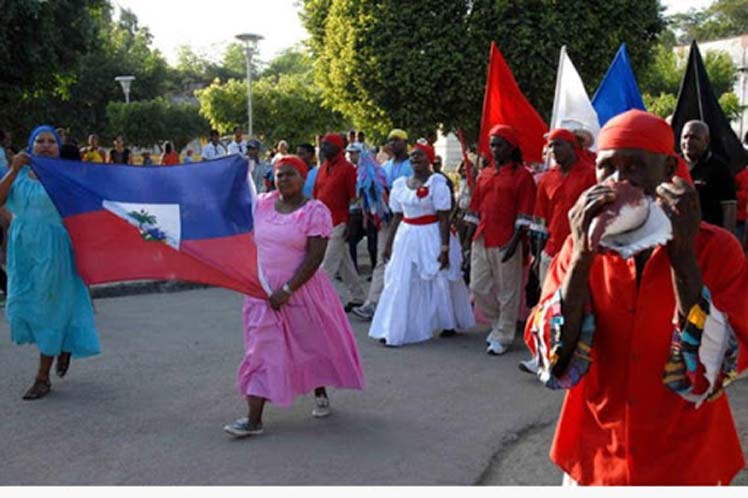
192, 222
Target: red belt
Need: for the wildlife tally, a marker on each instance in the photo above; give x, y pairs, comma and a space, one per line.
422, 220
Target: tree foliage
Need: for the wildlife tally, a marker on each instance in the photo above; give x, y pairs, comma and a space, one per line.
419, 65
660, 81
41, 47
722, 19
286, 103
730, 104
149, 122
60, 59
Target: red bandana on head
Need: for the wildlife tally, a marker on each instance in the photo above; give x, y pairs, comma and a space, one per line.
508, 133
295, 161
334, 139
564, 134
637, 129
426, 149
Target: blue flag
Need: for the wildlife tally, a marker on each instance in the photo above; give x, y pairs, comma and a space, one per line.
618, 92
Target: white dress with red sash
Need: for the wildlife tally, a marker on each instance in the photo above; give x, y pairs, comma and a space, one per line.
418, 298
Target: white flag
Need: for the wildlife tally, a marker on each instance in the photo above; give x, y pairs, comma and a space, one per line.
572, 108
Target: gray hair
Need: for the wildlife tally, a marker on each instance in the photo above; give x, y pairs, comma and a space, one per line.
699, 125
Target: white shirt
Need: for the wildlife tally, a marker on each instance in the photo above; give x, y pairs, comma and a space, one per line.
238, 148
211, 151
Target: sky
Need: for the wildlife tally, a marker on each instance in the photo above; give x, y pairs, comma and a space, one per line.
208, 26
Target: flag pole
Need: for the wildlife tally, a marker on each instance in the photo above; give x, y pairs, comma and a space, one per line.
692, 58
556, 97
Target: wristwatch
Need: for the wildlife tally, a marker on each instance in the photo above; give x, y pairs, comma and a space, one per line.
287, 289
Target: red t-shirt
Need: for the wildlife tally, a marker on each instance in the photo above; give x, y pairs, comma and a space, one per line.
557, 194
170, 159
335, 186
741, 188
621, 425
499, 197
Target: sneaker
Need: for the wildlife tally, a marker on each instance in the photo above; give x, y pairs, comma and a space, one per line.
365, 312
529, 366
242, 428
322, 407
495, 348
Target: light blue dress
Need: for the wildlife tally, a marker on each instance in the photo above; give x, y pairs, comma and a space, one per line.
47, 304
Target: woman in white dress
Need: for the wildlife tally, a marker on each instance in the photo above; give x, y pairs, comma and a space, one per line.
423, 286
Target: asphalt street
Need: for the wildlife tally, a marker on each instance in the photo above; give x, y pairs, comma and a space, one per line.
150, 410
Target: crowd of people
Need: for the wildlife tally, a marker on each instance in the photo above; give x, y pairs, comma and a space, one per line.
645, 345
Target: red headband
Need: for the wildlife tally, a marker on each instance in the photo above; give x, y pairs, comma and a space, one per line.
334, 139
506, 132
563, 134
426, 149
637, 129
295, 161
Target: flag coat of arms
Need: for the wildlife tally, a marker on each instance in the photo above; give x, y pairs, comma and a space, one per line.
192, 222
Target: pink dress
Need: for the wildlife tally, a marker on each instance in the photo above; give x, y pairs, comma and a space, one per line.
317, 348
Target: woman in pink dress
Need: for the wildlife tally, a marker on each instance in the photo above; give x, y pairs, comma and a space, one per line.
300, 339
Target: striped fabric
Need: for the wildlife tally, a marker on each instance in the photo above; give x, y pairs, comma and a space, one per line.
547, 322
703, 355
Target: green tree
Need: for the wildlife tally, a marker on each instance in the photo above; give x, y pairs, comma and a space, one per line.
196, 70
150, 122
662, 105
722, 19
731, 106
421, 65
660, 82
41, 47
286, 102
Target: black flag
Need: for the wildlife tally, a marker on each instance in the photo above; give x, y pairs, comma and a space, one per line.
696, 100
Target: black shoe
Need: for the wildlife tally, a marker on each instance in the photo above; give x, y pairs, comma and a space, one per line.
448, 333
383, 341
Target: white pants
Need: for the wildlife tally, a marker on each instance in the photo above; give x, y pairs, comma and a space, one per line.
497, 288
338, 259
377, 274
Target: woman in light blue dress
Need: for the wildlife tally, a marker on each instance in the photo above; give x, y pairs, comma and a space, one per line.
48, 304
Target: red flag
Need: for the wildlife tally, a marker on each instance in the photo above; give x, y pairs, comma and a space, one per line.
466, 161
504, 103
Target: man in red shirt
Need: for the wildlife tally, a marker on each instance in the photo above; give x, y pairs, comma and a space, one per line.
504, 194
644, 345
336, 188
558, 191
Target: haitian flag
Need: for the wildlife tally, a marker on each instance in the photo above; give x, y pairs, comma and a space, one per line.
192, 222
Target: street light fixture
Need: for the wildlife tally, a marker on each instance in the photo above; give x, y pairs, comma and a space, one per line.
250, 45
125, 81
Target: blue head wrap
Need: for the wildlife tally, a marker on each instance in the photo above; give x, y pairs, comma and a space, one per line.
43, 129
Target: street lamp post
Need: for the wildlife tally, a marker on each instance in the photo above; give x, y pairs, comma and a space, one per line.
250, 45
125, 81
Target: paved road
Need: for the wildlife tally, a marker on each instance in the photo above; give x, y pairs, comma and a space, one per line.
151, 408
